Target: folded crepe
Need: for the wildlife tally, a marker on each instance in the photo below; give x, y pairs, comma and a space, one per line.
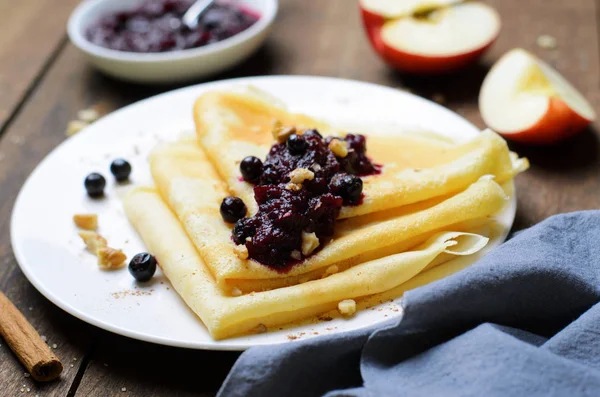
190, 185
226, 316
232, 125
416, 215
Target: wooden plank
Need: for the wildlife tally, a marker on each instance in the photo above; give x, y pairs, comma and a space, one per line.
32, 31
67, 334
320, 38
32, 134
145, 369
38, 128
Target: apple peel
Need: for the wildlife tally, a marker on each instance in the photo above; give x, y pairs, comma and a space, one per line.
526, 100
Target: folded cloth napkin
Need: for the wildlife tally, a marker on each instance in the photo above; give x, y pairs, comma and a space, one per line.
523, 321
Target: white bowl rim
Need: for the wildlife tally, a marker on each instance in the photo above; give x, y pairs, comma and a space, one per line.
75, 33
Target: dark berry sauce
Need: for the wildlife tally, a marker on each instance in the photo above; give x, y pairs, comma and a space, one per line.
156, 26
273, 236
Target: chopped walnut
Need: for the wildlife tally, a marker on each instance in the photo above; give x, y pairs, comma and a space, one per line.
347, 307
293, 187
547, 42
236, 291
282, 133
75, 126
310, 242
110, 258
241, 251
339, 147
93, 241
299, 175
295, 254
88, 115
86, 221
332, 270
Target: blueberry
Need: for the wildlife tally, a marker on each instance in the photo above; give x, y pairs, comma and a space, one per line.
349, 187
241, 230
121, 169
233, 209
296, 144
94, 184
142, 266
251, 168
312, 132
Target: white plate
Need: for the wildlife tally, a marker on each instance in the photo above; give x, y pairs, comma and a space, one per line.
53, 258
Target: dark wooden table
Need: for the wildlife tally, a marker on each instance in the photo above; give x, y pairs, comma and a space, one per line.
44, 81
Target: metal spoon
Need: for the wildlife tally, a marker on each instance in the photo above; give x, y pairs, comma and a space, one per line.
194, 13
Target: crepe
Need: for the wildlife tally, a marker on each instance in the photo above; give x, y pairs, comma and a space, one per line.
421, 211
233, 125
226, 316
192, 188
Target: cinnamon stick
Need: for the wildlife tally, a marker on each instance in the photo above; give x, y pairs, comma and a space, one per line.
27, 344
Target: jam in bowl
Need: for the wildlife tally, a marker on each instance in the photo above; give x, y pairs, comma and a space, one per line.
144, 41
156, 26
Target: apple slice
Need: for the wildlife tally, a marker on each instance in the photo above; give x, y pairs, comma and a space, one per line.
430, 37
526, 100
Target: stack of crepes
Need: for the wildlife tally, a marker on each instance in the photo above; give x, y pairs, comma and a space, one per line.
418, 213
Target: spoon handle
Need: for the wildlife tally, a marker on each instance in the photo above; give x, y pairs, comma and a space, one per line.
194, 13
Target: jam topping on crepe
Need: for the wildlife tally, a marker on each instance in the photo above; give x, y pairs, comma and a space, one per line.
304, 181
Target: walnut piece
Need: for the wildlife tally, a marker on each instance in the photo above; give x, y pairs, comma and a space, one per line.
110, 258
236, 292
547, 42
299, 175
241, 251
86, 221
296, 255
310, 242
347, 307
281, 133
93, 241
75, 126
332, 270
293, 187
339, 147
88, 115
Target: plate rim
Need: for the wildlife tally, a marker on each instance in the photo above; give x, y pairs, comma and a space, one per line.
221, 345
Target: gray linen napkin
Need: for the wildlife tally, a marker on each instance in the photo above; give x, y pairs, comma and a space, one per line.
523, 321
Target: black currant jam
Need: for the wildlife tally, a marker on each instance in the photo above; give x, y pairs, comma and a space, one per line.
286, 211
156, 26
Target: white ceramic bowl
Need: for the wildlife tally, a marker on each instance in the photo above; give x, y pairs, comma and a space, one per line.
167, 67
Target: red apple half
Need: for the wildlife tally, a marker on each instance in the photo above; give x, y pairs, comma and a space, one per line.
428, 37
526, 100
